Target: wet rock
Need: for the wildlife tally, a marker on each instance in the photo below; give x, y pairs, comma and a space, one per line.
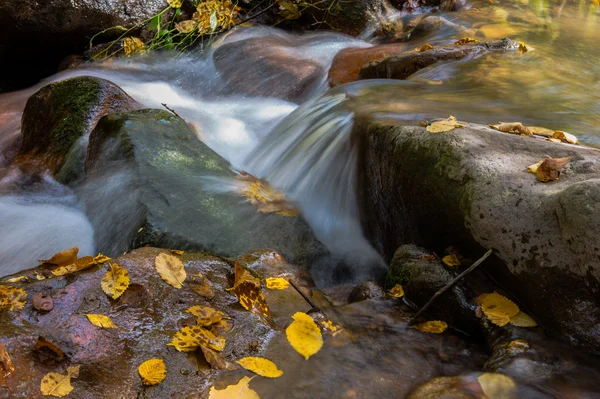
365, 290
470, 188
43, 302
59, 118
151, 181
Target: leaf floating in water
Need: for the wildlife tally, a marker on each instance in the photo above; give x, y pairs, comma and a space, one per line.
277, 283
248, 292
207, 316
6, 365
304, 335
170, 269
565, 137
261, 366
512, 127
189, 338
522, 319
100, 320
241, 390
517, 346
424, 48
153, 371
132, 45
466, 40
550, 169
397, 291
268, 200
497, 386
444, 125
115, 281
12, 298
497, 308
55, 384
451, 260
65, 257
433, 327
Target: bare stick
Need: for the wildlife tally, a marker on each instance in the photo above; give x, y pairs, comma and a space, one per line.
170, 109
449, 285
307, 299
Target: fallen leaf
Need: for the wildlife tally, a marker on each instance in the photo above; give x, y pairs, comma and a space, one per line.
101, 259
550, 169
19, 279
48, 347
533, 168
202, 286
522, 319
176, 252
451, 260
78, 265
267, 200
249, 294
206, 315
424, 48
222, 327
444, 125
115, 281
175, 3
565, 137
397, 291
261, 366
497, 308
132, 45
12, 298
497, 386
186, 26
153, 371
241, 390
55, 384
512, 127
6, 365
466, 40
433, 327
304, 335
170, 269
100, 320
523, 47
215, 359
517, 346
189, 338
65, 257
541, 131
277, 283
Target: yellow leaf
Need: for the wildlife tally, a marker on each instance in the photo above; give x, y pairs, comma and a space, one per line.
215, 359
101, 259
206, 315
176, 251
78, 265
222, 327
189, 338
522, 319
512, 127
12, 298
55, 384
19, 279
304, 335
153, 371
277, 283
186, 26
115, 281
565, 137
248, 292
267, 200
451, 260
261, 366
6, 365
433, 327
65, 257
241, 390
523, 47
170, 269
497, 308
466, 40
424, 48
132, 45
397, 291
497, 386
533, 168
550, 169
444, 125
175, 3
202, 286
100, 320
542, 131
517, 346
288, 9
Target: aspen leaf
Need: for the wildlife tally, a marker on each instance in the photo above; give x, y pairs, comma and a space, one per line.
261, 366
424, 48
397, 291
12, 298
466, 40
65, 257
304, 335
517, 346
497, 386
78, 265
100, 320
175, 3
6, 365
565, 137
522, 319
186, 26
277, 283
206, 315
132, 45
101, 259
249, 294
451, 260
115, 281
55, 384
433, 327
170, 270
189, 338
550, 169
497, 308
153, 371
512, 127
444, 125
533, 168
241, 390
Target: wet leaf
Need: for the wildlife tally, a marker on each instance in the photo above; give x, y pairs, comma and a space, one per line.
78, 265
497, 308
497, 386
202, 286
451, 260
533, 168
215, 359
170, 269
523, 47
541, 131
65, 257
424, 48
517, 346
267, 200
522, 319
444, 125
115, 281
153, 371
550, 169
397, 291
6, 365
45, 345
338, 335
241, 390
189, 338
101, 259
186, 26
433, 327
440, 388
222, 327
512, 127
19, 279
248, 292
277, 283
206, 315
261, 366
176, 252
565, 137
175, 3
132, 45
55, 384
466, 40
100, 320
304, 335
12, 298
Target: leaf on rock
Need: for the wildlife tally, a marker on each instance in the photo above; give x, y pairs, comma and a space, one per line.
175, 3
517, 346
189, 338
12, 298
201, 286
451, 260
176, 252
55, 384
115, 281
65, 257
550, 169
533, 168
248, 292
565, 137
497, 308
497, 386
6, 365
222, 327
261, 366
267, 200
444, 125
541, 131
241, 390
100, 320
433, 327
101, 259
512, 127
45, 345
277, 283
186, 26
170, 269
424, 48
215, 359
522, 319
207, 316
304, 335
19, 279
397, 291
153, 371
78, 265
132, 45
466, 40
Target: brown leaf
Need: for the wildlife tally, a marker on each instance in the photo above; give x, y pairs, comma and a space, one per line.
248, 291
466, 40
65, 257
550, 169
201, 286
6, 365
512, 127
48, 347
424, 48
565, 137
215, 359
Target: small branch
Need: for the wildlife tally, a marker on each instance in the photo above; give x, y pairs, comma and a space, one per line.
172, 110
307, 299
449, 285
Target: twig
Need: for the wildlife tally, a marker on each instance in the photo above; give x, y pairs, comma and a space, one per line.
307, 299
449, 285
172, 110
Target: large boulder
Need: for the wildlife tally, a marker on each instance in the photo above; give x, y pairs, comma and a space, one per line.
470, 188
151, 181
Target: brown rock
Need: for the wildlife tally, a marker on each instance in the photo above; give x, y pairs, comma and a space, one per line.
42, 301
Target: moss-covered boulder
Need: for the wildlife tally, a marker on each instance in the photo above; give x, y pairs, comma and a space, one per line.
58, 119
